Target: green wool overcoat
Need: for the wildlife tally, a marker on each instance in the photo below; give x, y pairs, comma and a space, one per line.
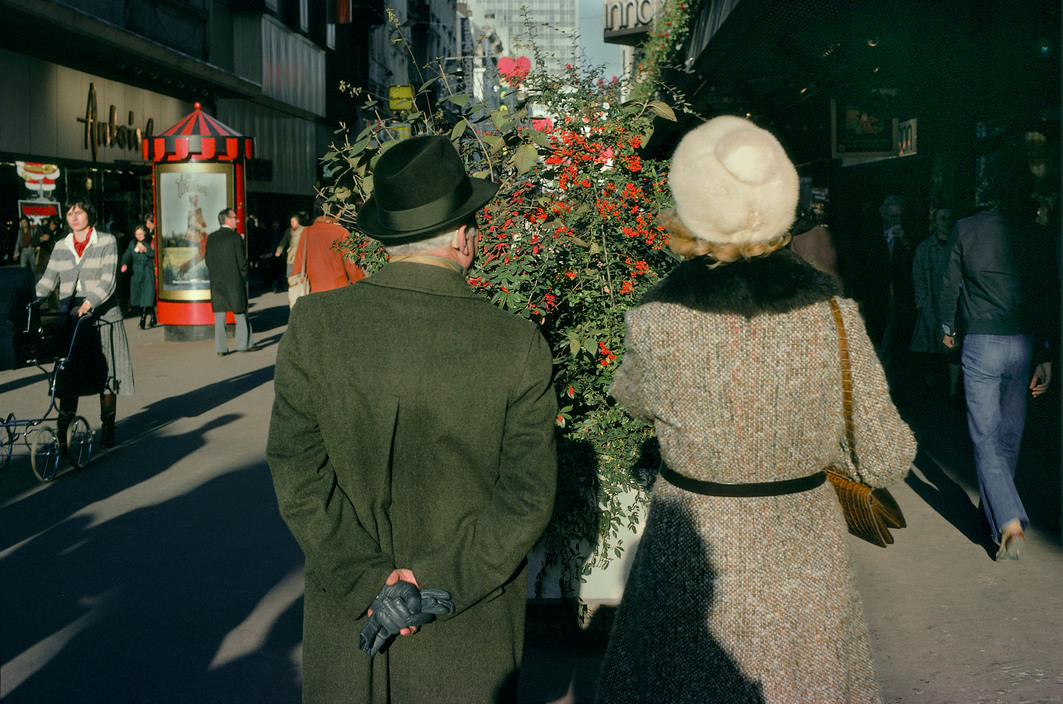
413, 427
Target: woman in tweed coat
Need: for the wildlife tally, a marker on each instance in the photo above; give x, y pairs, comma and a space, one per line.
84, 264
734, 358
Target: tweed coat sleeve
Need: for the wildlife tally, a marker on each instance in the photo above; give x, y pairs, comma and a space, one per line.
309, 497
629, 378
885, 445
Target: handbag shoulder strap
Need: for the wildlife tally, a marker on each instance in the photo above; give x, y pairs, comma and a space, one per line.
847, 378
305, 241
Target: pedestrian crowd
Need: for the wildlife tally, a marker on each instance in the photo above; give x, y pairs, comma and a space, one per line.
411, 440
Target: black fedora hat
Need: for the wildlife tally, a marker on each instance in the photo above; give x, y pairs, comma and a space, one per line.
420, 188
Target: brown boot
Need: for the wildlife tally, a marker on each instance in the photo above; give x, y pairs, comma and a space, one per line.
108, 411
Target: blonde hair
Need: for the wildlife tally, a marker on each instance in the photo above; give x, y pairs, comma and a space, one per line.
687, 245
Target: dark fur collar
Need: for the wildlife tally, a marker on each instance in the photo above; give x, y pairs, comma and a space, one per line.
778, 283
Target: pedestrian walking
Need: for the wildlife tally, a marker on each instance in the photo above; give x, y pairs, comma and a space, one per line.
317, 254
83, 268
226, 260
139, 257
1000, 293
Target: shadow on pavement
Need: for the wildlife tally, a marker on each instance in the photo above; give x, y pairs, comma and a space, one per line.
946, 459
151, 604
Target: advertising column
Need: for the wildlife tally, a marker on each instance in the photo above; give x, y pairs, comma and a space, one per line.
198, 172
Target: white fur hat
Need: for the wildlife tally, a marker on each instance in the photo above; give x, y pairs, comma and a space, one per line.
733, 183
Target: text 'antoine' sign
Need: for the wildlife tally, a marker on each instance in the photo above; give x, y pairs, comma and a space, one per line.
109, 133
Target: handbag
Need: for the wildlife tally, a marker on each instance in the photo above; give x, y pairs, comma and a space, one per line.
869, 513
299, 283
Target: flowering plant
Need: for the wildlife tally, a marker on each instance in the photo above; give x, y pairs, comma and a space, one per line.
571, 241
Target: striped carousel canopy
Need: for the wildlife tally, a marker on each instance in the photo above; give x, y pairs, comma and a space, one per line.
198, 137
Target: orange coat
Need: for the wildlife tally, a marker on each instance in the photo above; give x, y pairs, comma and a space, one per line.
326, 267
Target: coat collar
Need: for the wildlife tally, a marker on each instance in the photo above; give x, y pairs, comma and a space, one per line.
417, 276
778, 283
68, 242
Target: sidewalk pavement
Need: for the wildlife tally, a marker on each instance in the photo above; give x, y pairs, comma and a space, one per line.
162, 573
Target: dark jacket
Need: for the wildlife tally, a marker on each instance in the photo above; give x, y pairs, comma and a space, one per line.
413, 427
1000, 279
226, 259
881, 282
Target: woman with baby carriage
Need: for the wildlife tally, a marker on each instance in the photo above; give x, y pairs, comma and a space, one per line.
84, 267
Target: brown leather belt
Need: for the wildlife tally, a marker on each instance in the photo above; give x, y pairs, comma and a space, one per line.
783, 486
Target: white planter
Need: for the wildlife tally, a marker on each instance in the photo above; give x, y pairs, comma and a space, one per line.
603, 586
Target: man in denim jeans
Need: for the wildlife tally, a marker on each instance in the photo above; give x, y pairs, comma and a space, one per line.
1000, 286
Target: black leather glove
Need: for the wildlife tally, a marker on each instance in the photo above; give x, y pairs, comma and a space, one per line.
436, 601
399, 606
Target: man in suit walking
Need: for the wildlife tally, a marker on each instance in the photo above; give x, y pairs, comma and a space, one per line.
412, 440
226, 260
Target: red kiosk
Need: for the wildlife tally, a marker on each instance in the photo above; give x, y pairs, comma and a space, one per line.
198, 171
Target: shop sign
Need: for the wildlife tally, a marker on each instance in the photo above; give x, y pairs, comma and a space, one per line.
38, 177
400, 98
38, 211
629, 14
863, 127
109, 133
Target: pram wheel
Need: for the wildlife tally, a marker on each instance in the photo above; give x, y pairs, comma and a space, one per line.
44, 453
79, 442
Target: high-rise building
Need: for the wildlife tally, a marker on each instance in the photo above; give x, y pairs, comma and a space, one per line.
548, 31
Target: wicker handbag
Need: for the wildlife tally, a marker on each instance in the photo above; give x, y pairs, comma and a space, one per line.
870, 513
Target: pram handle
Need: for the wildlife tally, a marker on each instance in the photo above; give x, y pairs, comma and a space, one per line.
39, 301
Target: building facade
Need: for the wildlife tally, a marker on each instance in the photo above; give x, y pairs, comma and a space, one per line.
87, 80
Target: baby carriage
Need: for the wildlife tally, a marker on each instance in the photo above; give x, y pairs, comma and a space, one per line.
58, 340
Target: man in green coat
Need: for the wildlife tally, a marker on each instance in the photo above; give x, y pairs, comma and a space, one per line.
412, 439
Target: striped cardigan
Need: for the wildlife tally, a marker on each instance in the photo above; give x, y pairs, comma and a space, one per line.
97, 283
97, 280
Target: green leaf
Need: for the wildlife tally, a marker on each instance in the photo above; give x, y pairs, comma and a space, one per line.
459, 99
458, 131
662, 109
494, 142
540, 138
359, 146
525, 157
501, 122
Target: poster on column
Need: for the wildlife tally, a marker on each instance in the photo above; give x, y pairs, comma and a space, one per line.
188, 197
